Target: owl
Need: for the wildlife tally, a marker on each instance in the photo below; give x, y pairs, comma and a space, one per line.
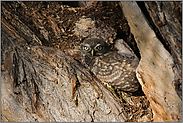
108, 66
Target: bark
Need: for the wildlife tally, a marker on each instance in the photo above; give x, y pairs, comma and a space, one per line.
42, 79
155, 71
39, 83
167, 22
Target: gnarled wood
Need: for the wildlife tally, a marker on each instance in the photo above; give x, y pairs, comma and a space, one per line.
36, 85
154, 72
166, 17
45, 84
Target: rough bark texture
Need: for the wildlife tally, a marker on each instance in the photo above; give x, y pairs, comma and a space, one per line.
155, 70
167, 22
37, 85
41, 76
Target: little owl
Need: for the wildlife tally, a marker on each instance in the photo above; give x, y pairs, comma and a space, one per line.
108, 66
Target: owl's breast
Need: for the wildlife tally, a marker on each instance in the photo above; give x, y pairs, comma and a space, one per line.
115, 70
88, 61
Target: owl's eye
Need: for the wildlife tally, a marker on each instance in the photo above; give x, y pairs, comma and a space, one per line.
86, 48
100, 47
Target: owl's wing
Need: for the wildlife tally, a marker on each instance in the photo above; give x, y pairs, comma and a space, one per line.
117, 70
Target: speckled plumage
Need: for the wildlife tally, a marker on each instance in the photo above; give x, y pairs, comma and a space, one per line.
109, 66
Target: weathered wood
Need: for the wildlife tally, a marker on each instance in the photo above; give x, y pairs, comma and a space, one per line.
40, 81
154, 72
37, 82
166, 17
44, 84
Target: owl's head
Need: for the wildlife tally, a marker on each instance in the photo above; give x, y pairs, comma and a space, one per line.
94, 47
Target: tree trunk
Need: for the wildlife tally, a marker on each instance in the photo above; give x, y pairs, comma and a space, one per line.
42, 79
155, 71
39, 83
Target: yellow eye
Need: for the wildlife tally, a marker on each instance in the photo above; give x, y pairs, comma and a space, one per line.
86, 48
99, 47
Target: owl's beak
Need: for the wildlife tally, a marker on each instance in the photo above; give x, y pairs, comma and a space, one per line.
92, 52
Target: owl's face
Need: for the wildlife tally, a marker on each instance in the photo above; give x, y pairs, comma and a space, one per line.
94, 47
